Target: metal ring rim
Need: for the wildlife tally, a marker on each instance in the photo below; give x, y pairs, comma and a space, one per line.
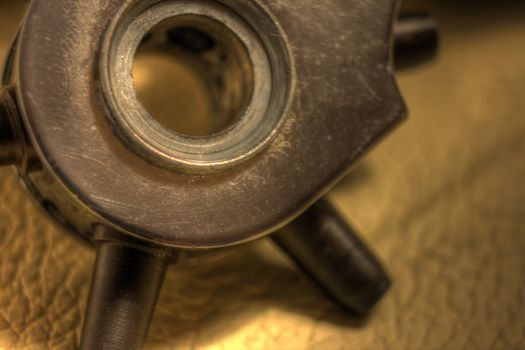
255, 129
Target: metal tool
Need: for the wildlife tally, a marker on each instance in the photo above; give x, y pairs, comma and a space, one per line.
306, 88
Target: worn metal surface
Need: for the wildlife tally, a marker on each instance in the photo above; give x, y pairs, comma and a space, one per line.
88, 170
441, 201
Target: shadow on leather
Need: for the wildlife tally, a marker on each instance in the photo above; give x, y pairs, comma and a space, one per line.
207, 303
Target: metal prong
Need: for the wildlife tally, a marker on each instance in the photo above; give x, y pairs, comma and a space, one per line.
331, 253
124, 290
416, 39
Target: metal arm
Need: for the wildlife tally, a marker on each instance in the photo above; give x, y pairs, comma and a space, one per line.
124, 290
331, 253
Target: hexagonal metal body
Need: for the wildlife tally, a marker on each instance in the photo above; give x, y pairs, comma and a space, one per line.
342, 99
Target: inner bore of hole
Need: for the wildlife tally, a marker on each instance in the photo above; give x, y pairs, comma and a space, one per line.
193, 75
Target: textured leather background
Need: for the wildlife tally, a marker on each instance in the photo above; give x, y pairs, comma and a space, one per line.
441, 201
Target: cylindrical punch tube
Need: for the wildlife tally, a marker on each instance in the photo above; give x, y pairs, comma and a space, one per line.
330, 252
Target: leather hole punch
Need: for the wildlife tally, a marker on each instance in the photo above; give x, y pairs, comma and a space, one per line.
306, 101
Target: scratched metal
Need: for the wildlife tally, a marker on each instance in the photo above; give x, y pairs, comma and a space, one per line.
441, 201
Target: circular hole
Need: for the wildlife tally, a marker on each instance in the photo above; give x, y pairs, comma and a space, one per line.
193, 75
236, 58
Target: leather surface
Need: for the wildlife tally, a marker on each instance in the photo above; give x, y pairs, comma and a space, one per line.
440, 201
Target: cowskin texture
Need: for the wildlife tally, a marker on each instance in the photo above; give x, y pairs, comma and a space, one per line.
440, 201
